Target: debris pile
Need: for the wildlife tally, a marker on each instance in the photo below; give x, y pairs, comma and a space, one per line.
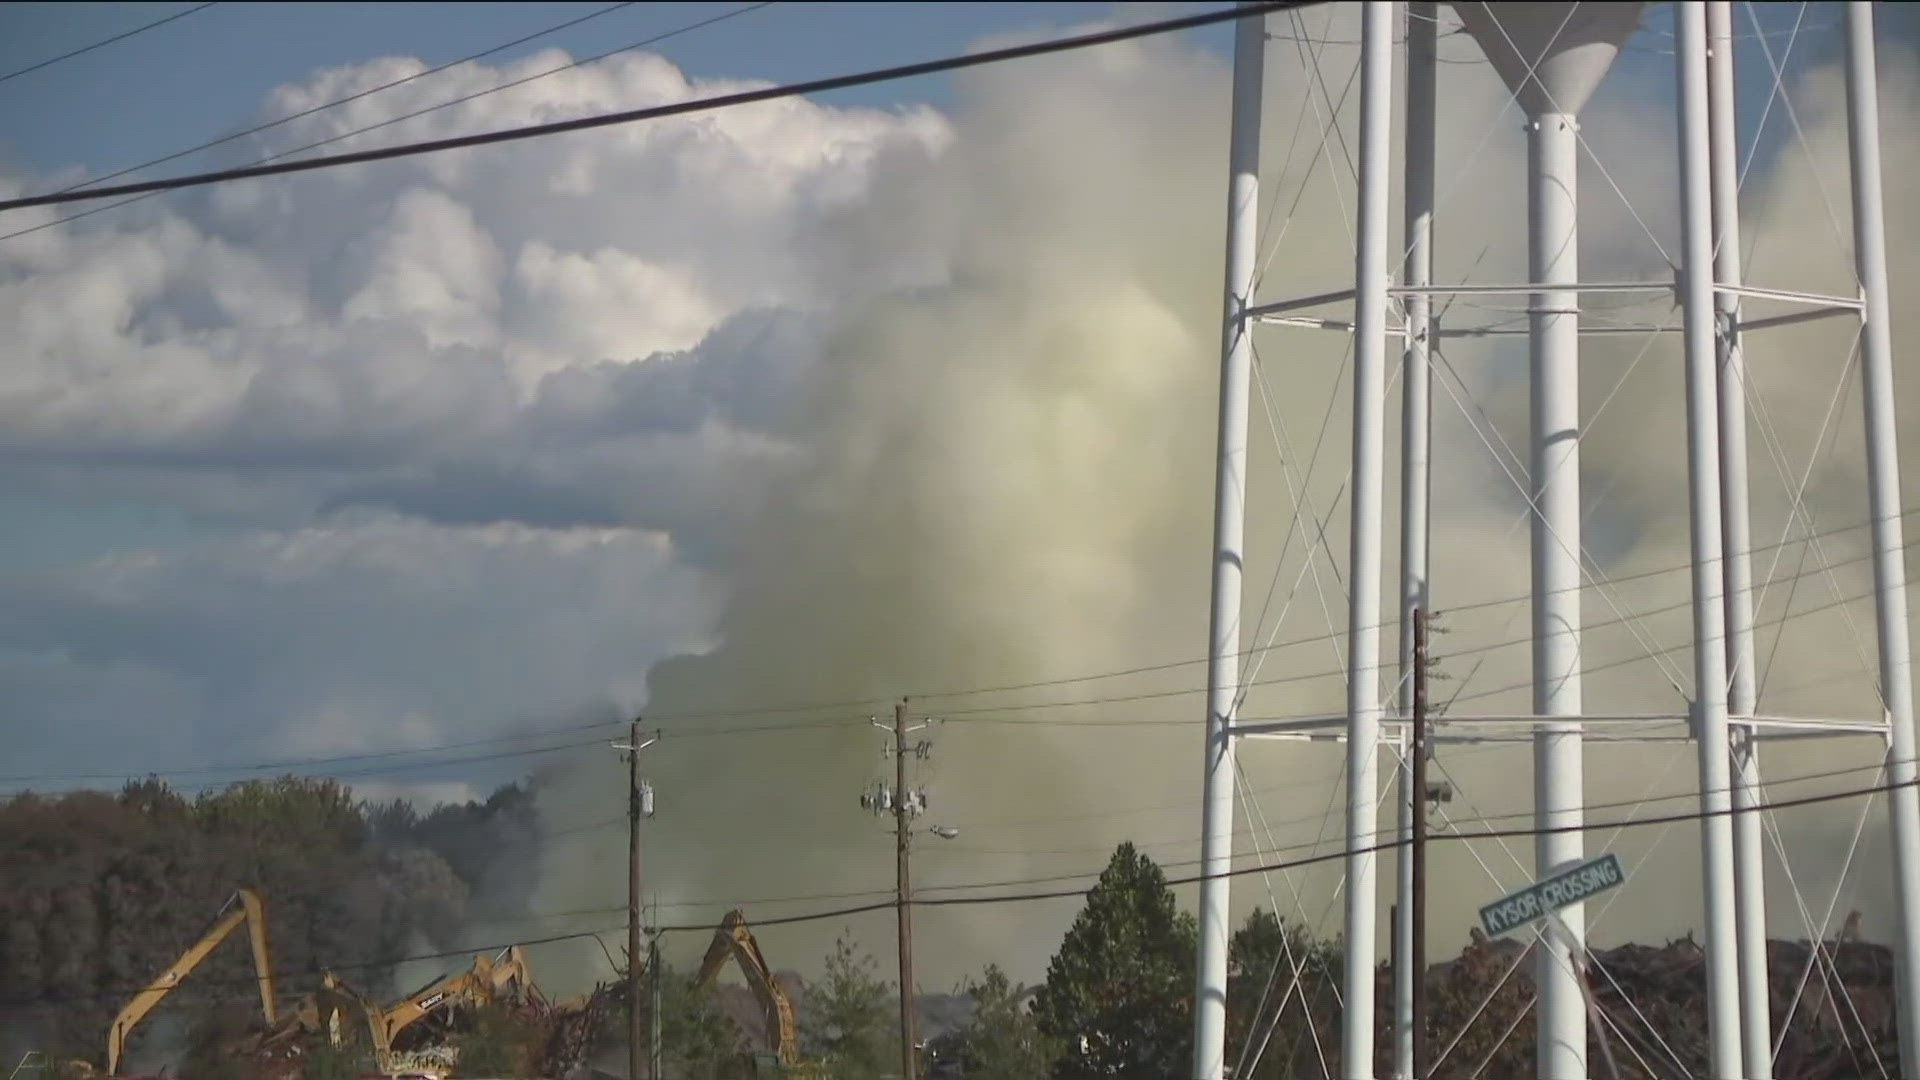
1831, 1005
568, 1033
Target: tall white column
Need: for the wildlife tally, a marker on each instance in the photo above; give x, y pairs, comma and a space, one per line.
1883, 488
1229, 549
1363, 609
1553, 56
1749, 851
1415, 478
1558, 766
1709, 593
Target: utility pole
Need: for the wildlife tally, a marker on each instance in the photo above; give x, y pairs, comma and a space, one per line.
639, 805
1416, 472
1417, 945
904, 805
654, 1069
903, 885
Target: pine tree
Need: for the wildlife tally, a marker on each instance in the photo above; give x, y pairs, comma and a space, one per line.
1293, 1023
845, 1024
1002, 1040
1118, 993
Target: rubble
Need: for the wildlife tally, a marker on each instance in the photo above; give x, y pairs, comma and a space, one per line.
1652, 1001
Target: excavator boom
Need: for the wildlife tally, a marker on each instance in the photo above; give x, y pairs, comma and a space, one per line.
489, 979
732, 938
250, 911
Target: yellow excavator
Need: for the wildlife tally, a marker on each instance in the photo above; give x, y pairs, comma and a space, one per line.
488, 980
733, 939
336, 1004
322, 1012
243, 906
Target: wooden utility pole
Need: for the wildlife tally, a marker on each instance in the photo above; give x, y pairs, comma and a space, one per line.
1417, 943
903, 886
634, 1042
639, 805
654, 1063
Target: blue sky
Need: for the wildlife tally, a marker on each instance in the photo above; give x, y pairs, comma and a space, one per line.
205, 75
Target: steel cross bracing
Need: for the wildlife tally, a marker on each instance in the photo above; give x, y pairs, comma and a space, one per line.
1743, 309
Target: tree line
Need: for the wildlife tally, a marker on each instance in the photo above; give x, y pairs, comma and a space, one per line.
99, 891
1116, 1002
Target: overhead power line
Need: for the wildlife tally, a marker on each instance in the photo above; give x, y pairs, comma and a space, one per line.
1476, 605
678, 108
335, 103
974, 714
304, 763
1063, 893
104, 42
643, 42
798, 840
991, 714
309, 762
983, 714
1391, 845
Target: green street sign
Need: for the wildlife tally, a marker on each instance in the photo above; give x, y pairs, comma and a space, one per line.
1541, 899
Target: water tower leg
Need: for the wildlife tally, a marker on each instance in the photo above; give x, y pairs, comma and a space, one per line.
1883, 487
1363, 609
1749, 852
1704, 513
1559, 781
1229, 550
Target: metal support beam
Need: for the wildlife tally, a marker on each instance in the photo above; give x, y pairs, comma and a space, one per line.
1585, 331
1553, 167
1229, 527
1791, 318
1704, 506
1279, 307
1883, 489
1749, 843
1534, 286
1363, 608
1794, 296
1416, 410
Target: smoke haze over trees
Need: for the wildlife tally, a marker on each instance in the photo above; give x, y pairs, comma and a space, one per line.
100, 891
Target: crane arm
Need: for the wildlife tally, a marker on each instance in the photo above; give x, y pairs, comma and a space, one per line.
250, 911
